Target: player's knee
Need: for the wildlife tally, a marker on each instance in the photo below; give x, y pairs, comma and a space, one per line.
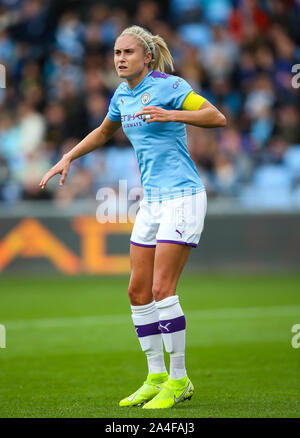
160, 291
137, 296
133, 294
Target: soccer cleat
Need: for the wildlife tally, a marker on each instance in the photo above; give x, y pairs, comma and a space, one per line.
147, 391
171, 393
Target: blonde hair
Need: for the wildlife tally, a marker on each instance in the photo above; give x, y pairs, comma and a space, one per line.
154, 44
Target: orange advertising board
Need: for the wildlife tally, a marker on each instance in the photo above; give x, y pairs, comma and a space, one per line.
31, 238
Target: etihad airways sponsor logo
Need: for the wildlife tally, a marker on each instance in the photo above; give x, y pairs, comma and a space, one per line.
131, 120
130, 117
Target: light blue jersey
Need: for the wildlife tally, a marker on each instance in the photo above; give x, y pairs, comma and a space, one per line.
167, 170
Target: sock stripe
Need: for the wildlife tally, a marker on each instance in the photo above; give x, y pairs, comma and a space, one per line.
147, 329
172, 325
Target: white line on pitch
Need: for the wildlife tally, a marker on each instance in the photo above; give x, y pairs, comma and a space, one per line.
205, 314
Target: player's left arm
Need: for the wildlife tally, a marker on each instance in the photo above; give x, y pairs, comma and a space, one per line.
195, 111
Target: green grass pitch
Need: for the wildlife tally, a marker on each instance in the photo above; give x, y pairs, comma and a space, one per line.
72, 349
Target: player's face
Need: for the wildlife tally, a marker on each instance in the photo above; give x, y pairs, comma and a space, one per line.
129, 57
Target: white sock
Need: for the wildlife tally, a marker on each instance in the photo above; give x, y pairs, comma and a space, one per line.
156, 363
146, 322
172, 324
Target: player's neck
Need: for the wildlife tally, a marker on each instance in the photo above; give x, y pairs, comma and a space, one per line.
133, 82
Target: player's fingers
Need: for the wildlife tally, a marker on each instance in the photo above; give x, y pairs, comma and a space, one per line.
157, 118
44, 181
155, 112
140, 113
146, 110
63, 177
49, 175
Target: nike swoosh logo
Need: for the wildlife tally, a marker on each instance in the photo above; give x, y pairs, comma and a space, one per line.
176, 400
132, 397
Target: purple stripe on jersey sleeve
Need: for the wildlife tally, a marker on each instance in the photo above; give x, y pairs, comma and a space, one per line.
172, 325
176, 241
159, 74
147, 329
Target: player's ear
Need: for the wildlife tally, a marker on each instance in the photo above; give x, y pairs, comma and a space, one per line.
147, 58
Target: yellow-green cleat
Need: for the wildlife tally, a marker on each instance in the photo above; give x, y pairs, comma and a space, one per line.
147, 391
171, 393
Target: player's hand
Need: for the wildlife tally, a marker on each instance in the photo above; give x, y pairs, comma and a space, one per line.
62, 168
156, 114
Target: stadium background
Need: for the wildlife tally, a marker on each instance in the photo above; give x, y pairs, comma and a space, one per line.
240, 288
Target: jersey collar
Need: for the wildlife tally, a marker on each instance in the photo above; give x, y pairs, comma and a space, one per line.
139, 85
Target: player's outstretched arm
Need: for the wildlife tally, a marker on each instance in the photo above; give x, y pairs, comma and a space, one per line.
98, 137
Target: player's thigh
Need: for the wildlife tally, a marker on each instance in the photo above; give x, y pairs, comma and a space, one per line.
141, 276
145, 226
169, 262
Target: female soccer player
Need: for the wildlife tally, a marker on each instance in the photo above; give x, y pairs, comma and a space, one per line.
153, 107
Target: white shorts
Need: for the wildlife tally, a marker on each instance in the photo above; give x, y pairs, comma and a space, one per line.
179, 220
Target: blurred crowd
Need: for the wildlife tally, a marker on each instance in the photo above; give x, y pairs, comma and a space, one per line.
242, 55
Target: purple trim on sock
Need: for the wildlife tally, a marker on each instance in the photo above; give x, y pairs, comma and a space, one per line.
147, 329
173, 325
142, 244
159, 74
176, 241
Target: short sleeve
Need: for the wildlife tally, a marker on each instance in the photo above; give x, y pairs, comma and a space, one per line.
113, 110
177, 91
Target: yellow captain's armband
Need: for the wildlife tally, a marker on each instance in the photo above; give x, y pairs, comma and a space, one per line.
192, 102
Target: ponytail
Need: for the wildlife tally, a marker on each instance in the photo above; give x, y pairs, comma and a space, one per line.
154, 44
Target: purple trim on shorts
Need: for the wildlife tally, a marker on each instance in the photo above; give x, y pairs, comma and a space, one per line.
142, 244
176, 241
173, 325
159, 74
147, 329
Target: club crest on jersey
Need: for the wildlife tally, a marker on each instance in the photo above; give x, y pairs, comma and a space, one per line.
145, 98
